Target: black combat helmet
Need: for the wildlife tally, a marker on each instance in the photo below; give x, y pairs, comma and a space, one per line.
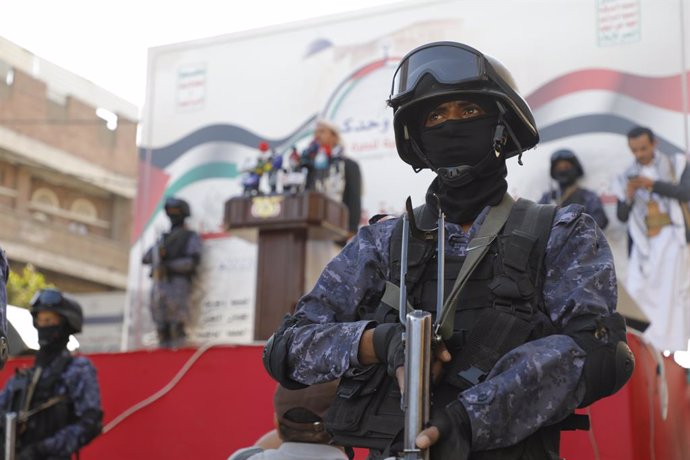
53, 300
176, 207
570, 157
450, 69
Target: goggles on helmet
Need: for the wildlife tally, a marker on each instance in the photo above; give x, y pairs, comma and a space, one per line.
449, 63
47, 298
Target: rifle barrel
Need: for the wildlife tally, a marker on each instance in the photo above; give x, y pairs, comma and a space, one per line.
10, 434
403, 269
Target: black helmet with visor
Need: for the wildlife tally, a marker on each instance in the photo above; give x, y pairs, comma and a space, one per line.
569, 156
53, 300
456, 70
176, 207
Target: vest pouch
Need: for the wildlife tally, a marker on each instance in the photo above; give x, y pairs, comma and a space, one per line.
366, 410
495, 334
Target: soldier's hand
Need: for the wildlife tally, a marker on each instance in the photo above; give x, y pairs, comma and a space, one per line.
29, 452
389, 346
449, 433
441, 356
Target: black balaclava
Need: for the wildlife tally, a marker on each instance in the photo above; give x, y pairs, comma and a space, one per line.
177, 220
566, 177
471, 175
52, 341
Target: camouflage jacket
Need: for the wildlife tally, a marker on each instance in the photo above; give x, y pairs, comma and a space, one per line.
80, 385
534, 385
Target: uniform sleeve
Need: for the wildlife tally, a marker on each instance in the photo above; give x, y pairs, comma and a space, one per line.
539, 383
4, 395
545, 198
326, 343
148, 257
679, 191
82, 387
595, 209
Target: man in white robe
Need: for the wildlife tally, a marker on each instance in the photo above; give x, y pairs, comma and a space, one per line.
650, 193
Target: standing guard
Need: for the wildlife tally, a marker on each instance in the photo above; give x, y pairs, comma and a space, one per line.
174, 260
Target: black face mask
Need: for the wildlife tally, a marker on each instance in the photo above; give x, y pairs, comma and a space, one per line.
53, 338
461, 150
470, 175
565, 178
47, 335
176, 221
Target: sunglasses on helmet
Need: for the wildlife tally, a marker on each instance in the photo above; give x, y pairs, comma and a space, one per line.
47, 297
449, 63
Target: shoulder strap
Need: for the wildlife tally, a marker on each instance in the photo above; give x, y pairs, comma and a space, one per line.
528, 228
57, 370
476, 249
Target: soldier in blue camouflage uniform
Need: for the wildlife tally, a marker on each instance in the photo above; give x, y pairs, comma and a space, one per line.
174, 260
457, 113
566, 170
58, 400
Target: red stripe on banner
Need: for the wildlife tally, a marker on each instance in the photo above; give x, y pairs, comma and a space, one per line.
371, 67
215, 235
662, 92
156, 180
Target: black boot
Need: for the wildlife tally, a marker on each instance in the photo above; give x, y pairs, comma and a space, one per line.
164, 337
178, 335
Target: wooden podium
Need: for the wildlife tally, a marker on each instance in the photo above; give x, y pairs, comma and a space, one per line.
285, 224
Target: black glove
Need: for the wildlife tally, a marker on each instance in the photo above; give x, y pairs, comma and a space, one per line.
455, 432
29, 452
389, 346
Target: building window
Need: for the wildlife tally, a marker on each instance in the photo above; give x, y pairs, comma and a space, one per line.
78, 228
84, 208
45, 198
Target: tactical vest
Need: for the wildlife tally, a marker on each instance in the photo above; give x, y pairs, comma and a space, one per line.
45, 422
175, 243
500, 308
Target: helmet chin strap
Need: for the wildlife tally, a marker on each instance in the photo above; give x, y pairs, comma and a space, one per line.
501, 122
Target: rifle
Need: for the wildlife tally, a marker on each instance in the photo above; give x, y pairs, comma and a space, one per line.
16, 423
158, 270
18, 411
418, 339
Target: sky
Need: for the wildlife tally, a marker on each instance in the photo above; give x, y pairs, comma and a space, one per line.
107, 42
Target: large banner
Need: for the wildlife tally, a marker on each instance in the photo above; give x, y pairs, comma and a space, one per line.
590, 70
